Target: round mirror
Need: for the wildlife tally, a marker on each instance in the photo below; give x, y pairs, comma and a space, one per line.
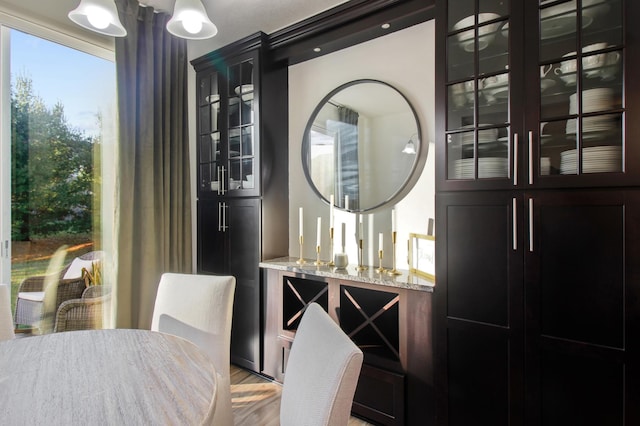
361, 145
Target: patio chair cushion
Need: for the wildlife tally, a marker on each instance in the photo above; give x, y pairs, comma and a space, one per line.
75, 269
33, 296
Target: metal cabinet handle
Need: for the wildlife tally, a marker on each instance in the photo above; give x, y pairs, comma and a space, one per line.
515, 225
531, 225
224, 217
530, 158
219, 217
222, 181
219, 179
515, 159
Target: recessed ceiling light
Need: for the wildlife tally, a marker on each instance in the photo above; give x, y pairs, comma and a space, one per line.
317, 49
385, 26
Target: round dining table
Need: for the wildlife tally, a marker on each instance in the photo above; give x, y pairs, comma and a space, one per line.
105, 377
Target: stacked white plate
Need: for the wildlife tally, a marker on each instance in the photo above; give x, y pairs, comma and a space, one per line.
484, 136
489, 167
593, 100
595, 159
598, 123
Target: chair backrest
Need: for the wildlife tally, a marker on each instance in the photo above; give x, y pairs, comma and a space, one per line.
6, 321
322, 373
199, 308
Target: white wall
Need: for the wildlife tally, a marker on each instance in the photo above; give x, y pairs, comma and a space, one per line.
404, 59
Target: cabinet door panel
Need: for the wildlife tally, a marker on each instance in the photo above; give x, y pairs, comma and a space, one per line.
479, 300
579, 244
243, 236
581, 390
479, 232
211, 253
478, 378
581, 285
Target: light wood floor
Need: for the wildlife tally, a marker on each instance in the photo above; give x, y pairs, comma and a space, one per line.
256, 401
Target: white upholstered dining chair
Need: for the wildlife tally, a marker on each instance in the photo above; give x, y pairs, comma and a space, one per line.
199, 308
322, 373
6, 321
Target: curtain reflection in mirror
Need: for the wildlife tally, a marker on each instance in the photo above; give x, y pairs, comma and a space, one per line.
346, 131
322, 158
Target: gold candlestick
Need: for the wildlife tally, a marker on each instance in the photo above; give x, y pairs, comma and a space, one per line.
394, 271
301, 260
360, 267
318, 262
380, 269
330, 262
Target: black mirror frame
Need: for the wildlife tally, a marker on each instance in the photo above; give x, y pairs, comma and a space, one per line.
306, 152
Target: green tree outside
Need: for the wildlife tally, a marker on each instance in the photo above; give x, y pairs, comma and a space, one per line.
52, 169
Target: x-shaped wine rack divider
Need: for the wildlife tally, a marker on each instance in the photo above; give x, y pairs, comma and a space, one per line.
369, 319
305, 304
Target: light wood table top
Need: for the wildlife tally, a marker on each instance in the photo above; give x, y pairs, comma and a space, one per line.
111, 377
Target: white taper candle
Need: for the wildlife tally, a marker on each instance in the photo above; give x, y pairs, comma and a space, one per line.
393, 220
331, 203
301, 221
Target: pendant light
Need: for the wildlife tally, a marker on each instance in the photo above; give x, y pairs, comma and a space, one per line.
410, 147
100, 16
190, 21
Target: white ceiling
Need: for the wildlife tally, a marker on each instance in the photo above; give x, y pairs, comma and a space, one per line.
235, 19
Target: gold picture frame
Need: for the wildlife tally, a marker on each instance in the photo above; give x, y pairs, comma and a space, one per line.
422, 255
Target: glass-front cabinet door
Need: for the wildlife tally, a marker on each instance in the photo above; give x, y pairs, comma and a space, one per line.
209, 156
479, 93
540, 94
581, 118
241, 146
228, 149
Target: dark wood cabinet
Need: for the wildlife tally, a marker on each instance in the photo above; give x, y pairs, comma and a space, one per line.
480, 360
242, 178
582, 314
537, 301
388, 322
536, 94
226, 245
537, 204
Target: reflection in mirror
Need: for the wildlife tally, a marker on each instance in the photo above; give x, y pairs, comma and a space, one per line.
362, 145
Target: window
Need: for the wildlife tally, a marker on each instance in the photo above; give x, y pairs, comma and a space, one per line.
58, 110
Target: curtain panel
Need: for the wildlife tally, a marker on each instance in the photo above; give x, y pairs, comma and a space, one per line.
153, 201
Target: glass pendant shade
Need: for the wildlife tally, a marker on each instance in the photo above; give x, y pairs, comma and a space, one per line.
190, 21
100, 16
409, 148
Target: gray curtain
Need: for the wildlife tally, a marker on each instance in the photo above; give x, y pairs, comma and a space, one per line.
153, 205
346, 129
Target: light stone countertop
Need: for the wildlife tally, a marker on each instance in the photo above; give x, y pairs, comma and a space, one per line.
369, 276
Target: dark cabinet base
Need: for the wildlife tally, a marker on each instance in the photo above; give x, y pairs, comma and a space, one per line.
561, 347
391, 325
380, 396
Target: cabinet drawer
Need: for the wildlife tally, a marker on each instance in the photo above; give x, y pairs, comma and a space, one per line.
380, 396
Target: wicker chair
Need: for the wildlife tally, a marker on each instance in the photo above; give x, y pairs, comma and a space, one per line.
85, 313
29, 303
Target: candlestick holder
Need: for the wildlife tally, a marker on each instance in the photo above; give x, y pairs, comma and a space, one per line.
318, 262
360, 267
330, 262
394, 271
301, 260
380, 269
